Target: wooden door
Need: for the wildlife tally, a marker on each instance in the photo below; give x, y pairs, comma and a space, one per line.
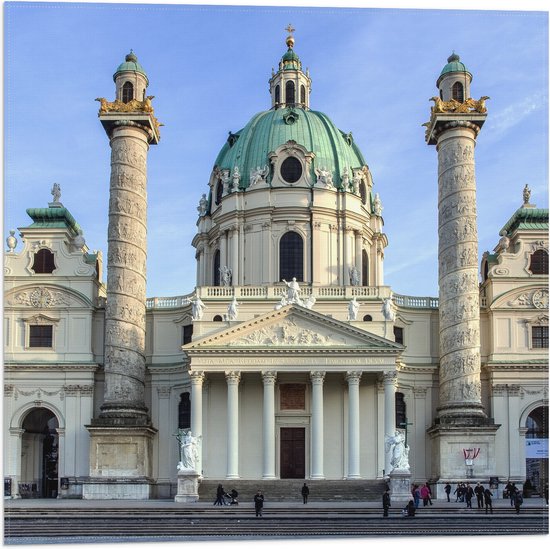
293, 452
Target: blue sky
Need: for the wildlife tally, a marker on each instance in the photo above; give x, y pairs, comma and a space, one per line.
373, 73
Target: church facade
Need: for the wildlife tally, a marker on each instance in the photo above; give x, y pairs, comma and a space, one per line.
291, 359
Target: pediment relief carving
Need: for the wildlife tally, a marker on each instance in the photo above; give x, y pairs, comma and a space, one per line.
296, 327
288, 332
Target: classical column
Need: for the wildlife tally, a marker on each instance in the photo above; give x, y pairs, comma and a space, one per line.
390, 379
459, 328
12, 466
269, 379
359, 257
131, 128
353, 379
235, 255
233, 378
197, 380
223, 249
317, 425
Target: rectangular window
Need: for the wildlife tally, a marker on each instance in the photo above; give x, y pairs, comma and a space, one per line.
539, 337
398, 334
41, 336
187, 334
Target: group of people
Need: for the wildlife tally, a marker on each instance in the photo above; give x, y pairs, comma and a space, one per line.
408, 511
423, 493
226, 498
465, 493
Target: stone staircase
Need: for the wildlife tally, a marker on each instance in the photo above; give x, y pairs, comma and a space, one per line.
290, 489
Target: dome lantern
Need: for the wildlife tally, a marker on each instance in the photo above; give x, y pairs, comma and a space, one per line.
130, 79
289, 86
454, 80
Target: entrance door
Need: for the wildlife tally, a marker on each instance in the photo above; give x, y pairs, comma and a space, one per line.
293, 452
40, 453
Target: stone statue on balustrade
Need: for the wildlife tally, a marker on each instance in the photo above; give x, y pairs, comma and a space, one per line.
233, 309
197, 309
387, 309
293, 292
354, 276
225, 275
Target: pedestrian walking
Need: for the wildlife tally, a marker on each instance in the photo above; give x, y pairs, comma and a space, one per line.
424, 494
259, 503
305, 492
220, 493
386, 502
518, 501
458, 492
468, 495
479, 495
416, 495
448, 492
488, 496
513, 492
429, 493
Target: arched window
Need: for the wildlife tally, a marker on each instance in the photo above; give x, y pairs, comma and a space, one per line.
43, 262
365, 280
219, 192
367, 318
363, 192
184, 411
539, 263
291, 257
277, 94
216, 269
303, 95
127, 92
290, 93
217, 318
458, 92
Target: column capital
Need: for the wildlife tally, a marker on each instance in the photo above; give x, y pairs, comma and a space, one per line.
317, 377
16, 431
233, 376
269, 377
197, 376
353, 377
389, 377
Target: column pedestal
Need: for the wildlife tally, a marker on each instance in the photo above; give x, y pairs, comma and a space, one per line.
400, 486
120, 463
188, 487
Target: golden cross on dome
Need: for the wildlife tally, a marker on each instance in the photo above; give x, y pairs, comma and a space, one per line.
290, 29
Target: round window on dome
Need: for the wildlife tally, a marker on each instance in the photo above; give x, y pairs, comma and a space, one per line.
291, 169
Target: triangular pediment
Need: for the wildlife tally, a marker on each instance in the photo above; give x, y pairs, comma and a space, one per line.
294, 327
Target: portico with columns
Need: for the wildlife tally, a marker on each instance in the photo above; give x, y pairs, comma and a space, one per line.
272, 377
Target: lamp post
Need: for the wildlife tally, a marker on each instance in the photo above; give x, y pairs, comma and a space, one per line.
404, 425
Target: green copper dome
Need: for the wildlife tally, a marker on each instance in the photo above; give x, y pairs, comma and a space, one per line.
454, 65
130, 64
249, 148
